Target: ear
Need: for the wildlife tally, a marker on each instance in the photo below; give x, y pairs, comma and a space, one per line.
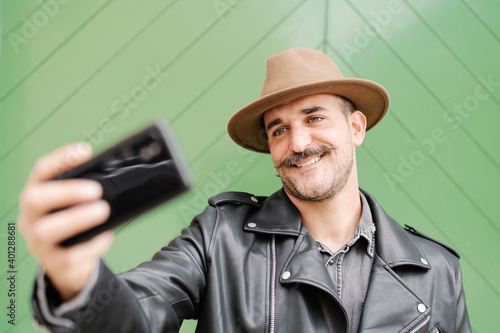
358, 127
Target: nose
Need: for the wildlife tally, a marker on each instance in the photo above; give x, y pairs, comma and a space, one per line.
300, 138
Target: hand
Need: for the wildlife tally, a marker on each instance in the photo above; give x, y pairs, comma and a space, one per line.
54, 210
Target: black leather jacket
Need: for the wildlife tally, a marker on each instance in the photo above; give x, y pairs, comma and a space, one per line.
248, 265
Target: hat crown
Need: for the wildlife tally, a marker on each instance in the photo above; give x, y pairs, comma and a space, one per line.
297, 67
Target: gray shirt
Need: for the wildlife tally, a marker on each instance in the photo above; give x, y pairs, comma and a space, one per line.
350, 266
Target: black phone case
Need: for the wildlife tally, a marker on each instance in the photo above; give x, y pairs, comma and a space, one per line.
137, 174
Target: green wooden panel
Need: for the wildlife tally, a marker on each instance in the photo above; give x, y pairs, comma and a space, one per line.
68, 70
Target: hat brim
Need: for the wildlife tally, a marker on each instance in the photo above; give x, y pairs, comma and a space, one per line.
245, 126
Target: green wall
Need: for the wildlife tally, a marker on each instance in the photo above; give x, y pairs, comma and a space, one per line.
67, 66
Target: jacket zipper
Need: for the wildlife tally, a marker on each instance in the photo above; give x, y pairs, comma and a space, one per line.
421, 324
273, 285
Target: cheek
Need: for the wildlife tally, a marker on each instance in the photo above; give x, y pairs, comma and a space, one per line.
275, 159
276, 154
328, 139
334, 137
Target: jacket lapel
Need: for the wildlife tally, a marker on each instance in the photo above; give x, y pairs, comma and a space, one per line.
393, 244
277, 216
305, 265
391, 306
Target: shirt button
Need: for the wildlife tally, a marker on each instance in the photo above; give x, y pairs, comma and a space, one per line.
286, 275
251, 225
421, 308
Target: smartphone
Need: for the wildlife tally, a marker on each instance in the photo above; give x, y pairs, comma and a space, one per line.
137, 174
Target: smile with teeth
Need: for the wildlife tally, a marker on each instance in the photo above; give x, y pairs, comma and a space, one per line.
314, 160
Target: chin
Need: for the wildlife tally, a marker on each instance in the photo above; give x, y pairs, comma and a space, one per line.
309, 194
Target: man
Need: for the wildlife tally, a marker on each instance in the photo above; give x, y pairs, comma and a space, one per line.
320, 255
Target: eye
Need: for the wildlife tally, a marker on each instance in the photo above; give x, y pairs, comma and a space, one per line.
314, 119
279, 131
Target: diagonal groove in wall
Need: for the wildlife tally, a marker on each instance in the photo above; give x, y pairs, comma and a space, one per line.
429, 91
442, 232
448, 48
237, 61
55, 50
9, 211
84, 83
165, 68
22, 21
450, 178
325, 27
319, 45
245, 171
24, 316
476, 15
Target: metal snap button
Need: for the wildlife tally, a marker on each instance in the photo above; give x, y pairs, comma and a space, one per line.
251, 225
425, 262
286, 275
254, 199
421, 308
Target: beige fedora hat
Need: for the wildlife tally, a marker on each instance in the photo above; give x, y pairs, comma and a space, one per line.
299, 72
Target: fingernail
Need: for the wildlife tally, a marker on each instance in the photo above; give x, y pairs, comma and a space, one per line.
102, 205
100, 208
83, 148
91, 189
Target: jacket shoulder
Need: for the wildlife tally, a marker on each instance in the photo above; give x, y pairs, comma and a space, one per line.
422, 235
235, 198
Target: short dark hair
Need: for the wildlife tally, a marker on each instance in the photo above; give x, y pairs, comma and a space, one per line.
346, 106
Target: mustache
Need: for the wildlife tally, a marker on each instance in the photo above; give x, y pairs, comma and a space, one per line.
297, 157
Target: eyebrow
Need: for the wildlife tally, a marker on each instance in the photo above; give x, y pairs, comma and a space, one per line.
273, 123
312, 110
303, 111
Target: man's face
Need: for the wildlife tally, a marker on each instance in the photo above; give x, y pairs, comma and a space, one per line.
312, 145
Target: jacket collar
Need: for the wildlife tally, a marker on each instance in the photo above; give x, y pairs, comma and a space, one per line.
277, 215
395, 247
393, 243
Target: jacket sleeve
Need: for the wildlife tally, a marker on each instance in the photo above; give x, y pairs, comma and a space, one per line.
462, 316
154, 297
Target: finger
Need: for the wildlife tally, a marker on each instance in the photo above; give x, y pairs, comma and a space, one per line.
43, 198
89, 250
53, 228
95, 247
60, 160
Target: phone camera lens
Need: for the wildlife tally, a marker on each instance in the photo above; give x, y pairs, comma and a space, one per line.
150, 151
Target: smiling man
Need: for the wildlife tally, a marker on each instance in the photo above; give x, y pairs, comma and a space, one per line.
319, 255
312, 142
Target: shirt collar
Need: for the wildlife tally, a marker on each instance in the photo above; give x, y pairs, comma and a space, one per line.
366, 228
